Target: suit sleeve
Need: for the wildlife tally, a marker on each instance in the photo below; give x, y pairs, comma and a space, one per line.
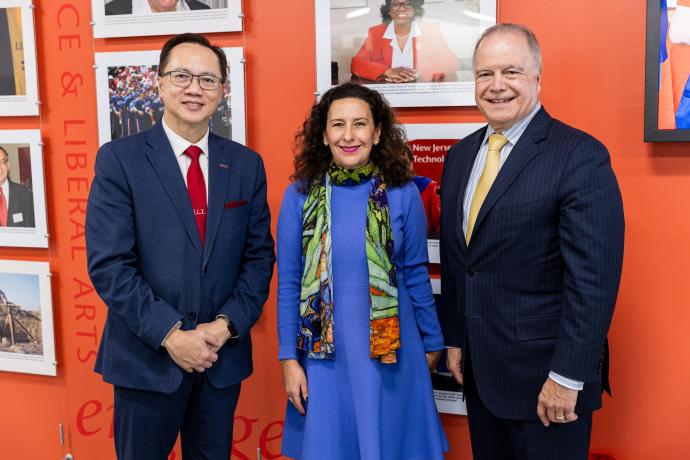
452, 313
245, 304
591, 233
365, 64
112, 257
415, 272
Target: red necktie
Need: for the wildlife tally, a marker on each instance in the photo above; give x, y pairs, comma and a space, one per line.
196, 187
3, 209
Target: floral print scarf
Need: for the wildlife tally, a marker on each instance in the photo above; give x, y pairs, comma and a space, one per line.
316, 297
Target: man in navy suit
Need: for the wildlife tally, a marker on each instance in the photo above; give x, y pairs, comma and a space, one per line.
16, 201
180, 250
531, 254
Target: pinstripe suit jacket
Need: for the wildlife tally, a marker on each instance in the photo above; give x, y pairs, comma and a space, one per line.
536, 288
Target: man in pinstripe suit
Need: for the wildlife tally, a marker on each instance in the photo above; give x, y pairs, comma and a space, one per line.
531, 252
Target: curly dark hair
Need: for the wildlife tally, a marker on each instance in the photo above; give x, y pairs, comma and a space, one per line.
313, 158
416, 4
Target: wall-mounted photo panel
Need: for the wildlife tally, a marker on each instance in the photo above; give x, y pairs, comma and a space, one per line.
448, 394
429, 145
416, 53
667, 71
131, 18
26, 318
18, 81
22, 201
128, 102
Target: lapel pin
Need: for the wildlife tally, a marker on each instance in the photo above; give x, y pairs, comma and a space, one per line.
223, 165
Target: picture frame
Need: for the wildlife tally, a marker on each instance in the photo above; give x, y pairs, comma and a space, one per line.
27, 340
18, 71
123, 76
667, 72
443, 79
429, 144
26, 224
117, 18
349, 3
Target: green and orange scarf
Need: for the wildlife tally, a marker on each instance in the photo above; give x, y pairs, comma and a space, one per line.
316, 298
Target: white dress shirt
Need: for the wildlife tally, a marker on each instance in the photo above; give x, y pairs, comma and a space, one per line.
404, 57
180, 144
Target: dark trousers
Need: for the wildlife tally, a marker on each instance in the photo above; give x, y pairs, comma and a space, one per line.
147, 423
495, 438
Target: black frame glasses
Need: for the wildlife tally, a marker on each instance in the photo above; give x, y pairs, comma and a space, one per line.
183, 79
402, 5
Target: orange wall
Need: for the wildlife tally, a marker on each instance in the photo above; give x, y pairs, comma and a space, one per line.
593, 78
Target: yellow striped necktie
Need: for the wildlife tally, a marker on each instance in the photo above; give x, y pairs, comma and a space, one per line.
493, 161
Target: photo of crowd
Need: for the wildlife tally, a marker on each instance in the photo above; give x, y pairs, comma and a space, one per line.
135, 105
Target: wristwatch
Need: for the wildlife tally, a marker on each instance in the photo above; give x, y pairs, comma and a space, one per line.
234, 334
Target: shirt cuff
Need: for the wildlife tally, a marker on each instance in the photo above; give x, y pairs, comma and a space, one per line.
177, 326
566, 382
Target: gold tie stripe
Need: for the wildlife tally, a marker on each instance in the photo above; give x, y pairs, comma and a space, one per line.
493, 161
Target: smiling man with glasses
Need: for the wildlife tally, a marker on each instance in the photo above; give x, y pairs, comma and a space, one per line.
180, 250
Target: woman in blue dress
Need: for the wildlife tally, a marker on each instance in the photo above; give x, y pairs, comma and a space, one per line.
357, 324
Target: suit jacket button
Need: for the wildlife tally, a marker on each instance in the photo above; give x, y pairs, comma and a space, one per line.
470, 272
191, 316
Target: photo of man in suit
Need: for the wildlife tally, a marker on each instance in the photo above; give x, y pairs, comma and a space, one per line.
531, 253
115, 7
16, 201
180, 250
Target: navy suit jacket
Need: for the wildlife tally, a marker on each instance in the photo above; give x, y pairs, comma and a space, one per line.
20, 209
536, 288
147, 263
125, 6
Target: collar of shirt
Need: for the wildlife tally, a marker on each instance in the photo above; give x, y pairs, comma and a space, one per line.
179, 144
514, 132
6, 190
415, 31
143, 7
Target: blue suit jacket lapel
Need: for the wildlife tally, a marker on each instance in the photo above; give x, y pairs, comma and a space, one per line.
218, 173
164, 163
526, 149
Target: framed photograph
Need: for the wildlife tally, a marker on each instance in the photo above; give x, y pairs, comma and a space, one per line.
349, 3
131, 18
416, 53
128, 102
27, 342
667, 71
429, 145
22, 201
18, 81
448, 394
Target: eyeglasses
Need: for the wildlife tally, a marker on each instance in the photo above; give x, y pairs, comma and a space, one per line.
184, 79
401, 5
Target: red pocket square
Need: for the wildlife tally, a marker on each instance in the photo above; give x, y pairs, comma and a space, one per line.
235, 204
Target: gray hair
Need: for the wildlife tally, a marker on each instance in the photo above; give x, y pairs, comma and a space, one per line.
519, 29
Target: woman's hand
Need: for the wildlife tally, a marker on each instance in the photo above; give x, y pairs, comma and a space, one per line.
399, 75
295, 382
432, 358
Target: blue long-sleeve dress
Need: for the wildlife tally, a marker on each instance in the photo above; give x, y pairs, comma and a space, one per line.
359, 408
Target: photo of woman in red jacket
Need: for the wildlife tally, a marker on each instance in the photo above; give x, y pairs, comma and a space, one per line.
404, 48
